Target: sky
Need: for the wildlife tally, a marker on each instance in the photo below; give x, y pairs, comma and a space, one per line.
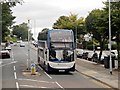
43, 13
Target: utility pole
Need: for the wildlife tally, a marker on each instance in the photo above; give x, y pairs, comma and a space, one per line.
110, 61
0, 23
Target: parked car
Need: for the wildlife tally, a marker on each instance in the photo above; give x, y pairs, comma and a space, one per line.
4, 54
22, 44
8, 47
35, 43
85, 55
11, 42
96, 57
90, 55
19, 41
80, 53
115, 53
15, 44
104, 54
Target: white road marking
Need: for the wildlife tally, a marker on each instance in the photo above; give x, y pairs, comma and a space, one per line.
48, 75
9, 63
26, 54
17, 86
15, 75
40, 68
32, 86
44, 87
14, 68
59, 85
6, 59
34, 80
45, 72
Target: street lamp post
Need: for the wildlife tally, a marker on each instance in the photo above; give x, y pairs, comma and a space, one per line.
110, 61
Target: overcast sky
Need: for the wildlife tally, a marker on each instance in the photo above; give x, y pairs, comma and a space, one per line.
43, 13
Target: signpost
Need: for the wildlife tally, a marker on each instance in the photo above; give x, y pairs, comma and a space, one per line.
28, 60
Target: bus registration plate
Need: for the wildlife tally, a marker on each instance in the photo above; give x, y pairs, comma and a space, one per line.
61, 70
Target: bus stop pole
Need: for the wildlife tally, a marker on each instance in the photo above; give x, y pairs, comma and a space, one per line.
110, 61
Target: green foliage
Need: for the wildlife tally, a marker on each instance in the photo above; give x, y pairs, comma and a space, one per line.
70, 22
97, 24
115, 17
14, 39
7, 18
21, 31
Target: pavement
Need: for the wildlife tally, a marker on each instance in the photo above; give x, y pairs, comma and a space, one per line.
98, 72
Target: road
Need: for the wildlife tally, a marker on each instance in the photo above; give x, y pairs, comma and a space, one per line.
15, 75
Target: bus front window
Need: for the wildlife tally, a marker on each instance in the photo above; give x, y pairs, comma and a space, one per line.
68, 55
61, 55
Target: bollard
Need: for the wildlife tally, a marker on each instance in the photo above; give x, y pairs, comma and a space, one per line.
33, 69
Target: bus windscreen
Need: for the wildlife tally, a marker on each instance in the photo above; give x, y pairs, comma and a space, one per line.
61, 36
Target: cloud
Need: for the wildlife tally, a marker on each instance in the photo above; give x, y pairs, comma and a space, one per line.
43, 13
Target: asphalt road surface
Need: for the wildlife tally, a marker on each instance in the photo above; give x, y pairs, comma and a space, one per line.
15, 75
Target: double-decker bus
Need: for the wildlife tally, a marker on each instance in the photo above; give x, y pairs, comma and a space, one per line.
56, 50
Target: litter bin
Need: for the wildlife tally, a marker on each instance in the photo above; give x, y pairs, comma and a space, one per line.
107, 61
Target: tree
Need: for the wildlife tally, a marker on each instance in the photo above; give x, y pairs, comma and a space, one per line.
7, 18
70, 22
21, 31
97, 24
